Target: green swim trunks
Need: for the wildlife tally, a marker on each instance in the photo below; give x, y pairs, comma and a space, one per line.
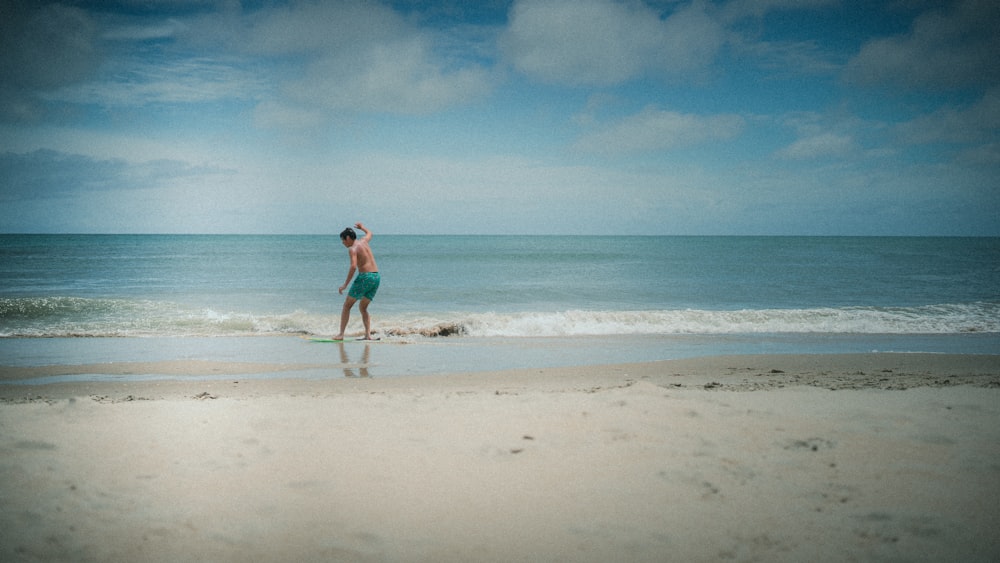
365, 286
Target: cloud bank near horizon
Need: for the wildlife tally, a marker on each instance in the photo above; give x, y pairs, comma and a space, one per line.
530, 116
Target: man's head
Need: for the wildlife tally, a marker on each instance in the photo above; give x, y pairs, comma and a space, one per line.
348, 236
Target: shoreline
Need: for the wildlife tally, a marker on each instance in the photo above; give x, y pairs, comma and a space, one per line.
871, 457
171, 379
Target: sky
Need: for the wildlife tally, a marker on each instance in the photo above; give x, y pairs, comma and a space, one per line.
600, 117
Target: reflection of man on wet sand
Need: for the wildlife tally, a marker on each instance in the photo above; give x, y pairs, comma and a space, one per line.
362, 367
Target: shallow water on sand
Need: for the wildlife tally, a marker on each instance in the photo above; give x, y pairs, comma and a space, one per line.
399, 357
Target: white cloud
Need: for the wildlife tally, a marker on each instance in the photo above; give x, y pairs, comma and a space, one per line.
314, 28
818, 146
807, 57
655, 129
133, 147
985, 155
348, 56
512, 194
180, 81
44, 174
945, 49
691, 39
602, 42
823, 136
161, 30
400, 77
278, 115
977, 123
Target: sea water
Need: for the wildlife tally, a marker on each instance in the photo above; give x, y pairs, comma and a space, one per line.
544, 299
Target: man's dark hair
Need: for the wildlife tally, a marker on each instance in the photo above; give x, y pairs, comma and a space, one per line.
348, 233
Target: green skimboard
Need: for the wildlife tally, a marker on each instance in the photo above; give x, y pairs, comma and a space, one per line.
317, 339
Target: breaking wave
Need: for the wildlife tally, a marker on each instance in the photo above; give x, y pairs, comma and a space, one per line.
72, 316
936, 319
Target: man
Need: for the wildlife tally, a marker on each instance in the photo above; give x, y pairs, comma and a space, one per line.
365, 285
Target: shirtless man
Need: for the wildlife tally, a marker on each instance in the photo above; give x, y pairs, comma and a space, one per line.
365, 285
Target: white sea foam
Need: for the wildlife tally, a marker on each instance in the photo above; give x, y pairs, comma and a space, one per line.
937, 319
51, 317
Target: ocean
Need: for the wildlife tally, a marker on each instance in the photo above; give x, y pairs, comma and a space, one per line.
494, 302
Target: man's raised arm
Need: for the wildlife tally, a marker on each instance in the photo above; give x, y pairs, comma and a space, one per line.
368, 233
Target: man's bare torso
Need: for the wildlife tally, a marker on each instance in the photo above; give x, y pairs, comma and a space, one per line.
364, 256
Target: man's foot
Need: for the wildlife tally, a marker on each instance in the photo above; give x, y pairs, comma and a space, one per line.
338, 337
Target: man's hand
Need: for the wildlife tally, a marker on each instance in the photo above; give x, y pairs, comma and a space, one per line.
341, 289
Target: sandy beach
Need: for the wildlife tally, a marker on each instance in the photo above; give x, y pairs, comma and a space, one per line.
867, 457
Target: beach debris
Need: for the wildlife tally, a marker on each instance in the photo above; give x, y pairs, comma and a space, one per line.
812, 444
109, 399
205, 395
443, 329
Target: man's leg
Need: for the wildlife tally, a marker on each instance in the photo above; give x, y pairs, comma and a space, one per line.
345, 315
363, 307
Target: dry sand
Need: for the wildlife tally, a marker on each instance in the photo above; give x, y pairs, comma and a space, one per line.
868, 457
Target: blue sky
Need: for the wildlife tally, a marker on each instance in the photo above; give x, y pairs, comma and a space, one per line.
773, 117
